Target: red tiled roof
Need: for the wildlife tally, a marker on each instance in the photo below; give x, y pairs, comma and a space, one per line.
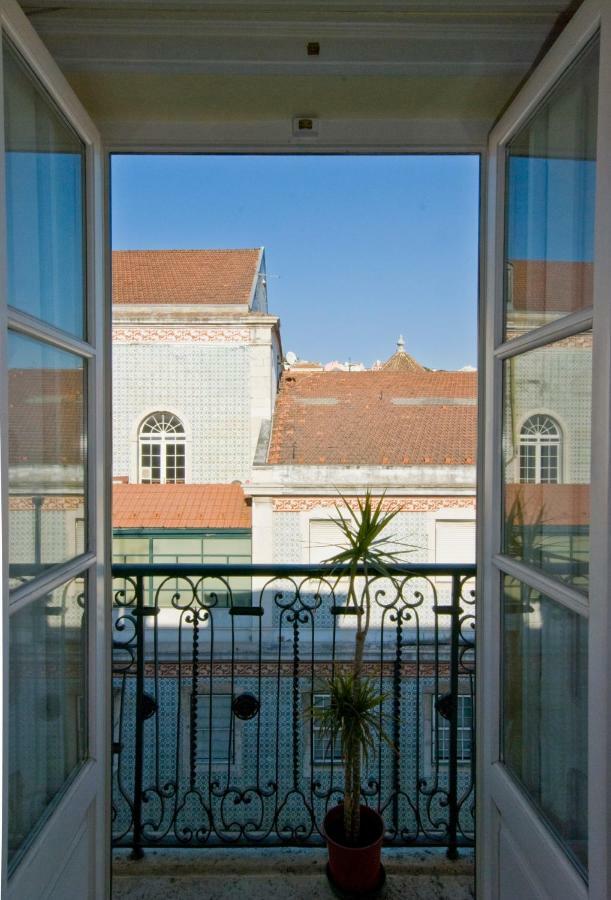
548, 504
555, 286
209, 277
46, 417
375, 418
179, 506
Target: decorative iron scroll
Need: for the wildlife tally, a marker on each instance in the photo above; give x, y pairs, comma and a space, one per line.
212, 741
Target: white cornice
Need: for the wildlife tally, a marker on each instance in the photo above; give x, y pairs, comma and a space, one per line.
356, 134
191, 314
353, 489
329, 480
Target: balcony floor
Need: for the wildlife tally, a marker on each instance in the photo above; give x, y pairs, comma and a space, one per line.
272, 874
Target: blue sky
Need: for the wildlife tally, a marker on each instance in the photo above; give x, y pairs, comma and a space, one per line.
358, 248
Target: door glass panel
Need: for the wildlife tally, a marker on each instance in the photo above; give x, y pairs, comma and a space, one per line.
47, 456
550, 203
45, 215
546, 457
545, 709
47, 705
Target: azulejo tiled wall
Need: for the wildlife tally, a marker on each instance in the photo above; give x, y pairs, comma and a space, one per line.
205, 385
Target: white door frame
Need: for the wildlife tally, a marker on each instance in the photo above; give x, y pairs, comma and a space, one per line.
496, 790
83, 810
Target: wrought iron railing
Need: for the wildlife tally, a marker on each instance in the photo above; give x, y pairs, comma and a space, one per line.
215, 668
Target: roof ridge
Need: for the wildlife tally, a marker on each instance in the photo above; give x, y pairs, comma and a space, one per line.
190, 250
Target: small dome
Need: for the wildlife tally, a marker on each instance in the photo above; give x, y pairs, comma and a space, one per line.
401, 361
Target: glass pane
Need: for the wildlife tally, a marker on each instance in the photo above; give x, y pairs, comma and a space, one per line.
47, 455
546, 449
545, 726
213, 746
45, 217
232, 545
550, 203
47, 704
130, 549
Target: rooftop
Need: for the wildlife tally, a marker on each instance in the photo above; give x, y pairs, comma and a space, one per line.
375, 418
207, 277
180, 506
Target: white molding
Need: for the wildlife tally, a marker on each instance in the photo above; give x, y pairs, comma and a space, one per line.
193, 315
185, 23
273, 136
333, 480
200, 65
319, 7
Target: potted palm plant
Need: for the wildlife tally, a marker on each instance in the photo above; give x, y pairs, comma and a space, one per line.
355, 831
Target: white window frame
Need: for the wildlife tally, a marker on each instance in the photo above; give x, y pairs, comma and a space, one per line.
445, 726
538, 440
430, 694
164, 438
336, 760
79, 809
500, 802
203, 764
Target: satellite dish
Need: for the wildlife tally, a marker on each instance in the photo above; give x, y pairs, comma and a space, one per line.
291, 358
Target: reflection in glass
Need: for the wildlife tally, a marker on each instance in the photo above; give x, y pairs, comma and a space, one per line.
546, 455
550, 203
47, 453
44, 168
47, 704
545, 708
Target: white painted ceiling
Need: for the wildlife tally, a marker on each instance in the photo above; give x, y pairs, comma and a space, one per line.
228, 70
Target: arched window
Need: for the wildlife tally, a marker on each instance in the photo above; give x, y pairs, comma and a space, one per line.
162, 449
540, 446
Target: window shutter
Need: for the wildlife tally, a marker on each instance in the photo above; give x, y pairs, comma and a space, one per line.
455, 541
326, 539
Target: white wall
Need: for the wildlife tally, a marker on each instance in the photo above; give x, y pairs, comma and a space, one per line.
217, 377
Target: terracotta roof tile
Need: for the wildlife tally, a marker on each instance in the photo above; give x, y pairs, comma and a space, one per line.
180, 506
548, 504
46, 417
401, 362
209, 277
552, 285
375, 418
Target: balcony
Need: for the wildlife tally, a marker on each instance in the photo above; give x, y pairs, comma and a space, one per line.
214, 671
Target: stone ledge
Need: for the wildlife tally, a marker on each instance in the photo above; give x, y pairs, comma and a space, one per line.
241, 861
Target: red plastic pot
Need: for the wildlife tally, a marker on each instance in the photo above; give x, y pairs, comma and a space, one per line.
355, 870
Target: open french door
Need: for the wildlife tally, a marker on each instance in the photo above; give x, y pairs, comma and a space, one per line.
543, 643
55, 834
